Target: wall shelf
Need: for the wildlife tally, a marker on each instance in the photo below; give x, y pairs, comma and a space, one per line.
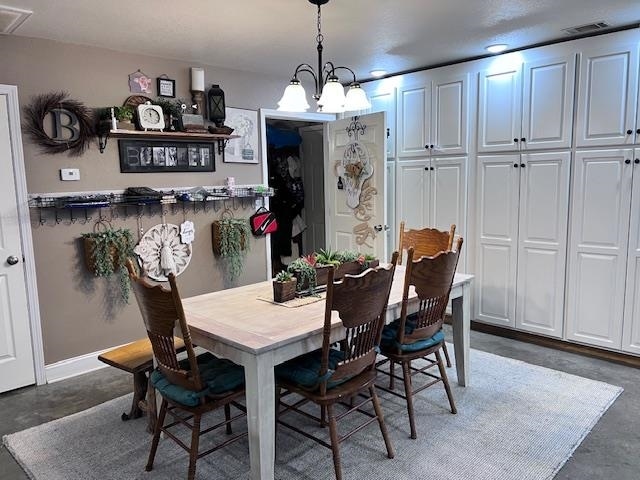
218, 138
76, 205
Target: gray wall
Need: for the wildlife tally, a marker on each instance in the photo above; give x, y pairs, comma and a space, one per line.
82, 314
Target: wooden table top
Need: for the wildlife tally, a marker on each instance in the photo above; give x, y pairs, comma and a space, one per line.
239, 318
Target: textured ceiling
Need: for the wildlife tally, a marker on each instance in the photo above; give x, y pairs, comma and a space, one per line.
274, 36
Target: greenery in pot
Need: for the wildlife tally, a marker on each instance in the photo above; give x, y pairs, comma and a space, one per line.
347, 256
231, 242
328, 257
284, 287
124, 114
106, 253
305, 272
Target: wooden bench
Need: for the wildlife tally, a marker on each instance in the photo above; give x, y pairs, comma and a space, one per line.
137, 359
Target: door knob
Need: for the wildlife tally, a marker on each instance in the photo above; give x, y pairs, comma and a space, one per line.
12, 260
379, 228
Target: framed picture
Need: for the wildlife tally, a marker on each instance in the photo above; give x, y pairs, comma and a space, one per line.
246, 148
147, 156
166, 87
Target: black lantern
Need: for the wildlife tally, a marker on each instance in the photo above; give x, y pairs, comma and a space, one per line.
215, 98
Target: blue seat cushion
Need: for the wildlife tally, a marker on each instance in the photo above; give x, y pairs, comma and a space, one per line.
390, 335
305, 369
218, 375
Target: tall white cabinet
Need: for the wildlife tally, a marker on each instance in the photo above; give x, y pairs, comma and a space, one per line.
523, 214
602, 301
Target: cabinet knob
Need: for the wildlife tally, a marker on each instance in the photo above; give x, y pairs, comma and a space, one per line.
515, 165
426, 147
433, 168
523, 139
431, 146
627, 161
636, 161
426, 168
523, 165
629, 132
638, 131
515, 140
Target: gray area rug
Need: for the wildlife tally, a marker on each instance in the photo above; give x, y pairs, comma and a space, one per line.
516, 421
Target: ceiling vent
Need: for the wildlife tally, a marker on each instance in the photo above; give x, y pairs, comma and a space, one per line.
11, 18
588, 28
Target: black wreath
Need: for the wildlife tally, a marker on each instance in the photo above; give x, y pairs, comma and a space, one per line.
41, 106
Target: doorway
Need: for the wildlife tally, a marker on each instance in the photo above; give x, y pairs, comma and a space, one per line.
21, 356
295, 169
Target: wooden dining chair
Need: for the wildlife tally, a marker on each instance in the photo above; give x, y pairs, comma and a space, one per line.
427, 241
330, 376
417, 336
191, 387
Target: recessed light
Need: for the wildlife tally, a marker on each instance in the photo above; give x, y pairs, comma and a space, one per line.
378, 73
497, 48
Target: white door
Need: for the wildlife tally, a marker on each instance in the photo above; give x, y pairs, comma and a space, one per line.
450, 98
414, 119
16, 357
542, 242
498, 186
547, 116
413, 192
607, 97
313, 181
599, 235
355, 220
631, 331
500, 110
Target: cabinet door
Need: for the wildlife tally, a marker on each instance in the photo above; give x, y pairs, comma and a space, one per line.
450, 118
607, 97
414, 110
412, 193
497, 244
599, 229
542, 242
448, 202
547, 116
631, 331
499, 110
383, 99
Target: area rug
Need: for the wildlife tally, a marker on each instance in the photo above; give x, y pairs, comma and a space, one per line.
515, 421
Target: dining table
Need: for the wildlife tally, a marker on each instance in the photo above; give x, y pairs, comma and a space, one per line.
243, 325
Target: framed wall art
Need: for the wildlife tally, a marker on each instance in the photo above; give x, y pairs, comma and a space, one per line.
148, 156
246, 148
166, 87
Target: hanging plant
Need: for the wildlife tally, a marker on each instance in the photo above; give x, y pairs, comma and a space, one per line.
230, 241
106, 252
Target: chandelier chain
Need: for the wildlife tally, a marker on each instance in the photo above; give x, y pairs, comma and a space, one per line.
320, 37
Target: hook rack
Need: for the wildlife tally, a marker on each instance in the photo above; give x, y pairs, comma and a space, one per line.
203, 199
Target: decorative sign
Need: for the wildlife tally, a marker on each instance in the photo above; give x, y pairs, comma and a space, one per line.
139, 82
166, 86
71, 123
159, 155
187, 232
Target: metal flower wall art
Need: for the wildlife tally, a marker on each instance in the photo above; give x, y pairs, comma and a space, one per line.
161, 252
355, 166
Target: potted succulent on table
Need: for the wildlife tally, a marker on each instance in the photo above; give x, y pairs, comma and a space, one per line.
106, 252
284, 287
230, 238
304, 270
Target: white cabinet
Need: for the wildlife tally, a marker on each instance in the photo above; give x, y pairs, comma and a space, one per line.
433, 117
383, 99
432, 193
601, 205
523, 212
607, 97
537, 113
631, 323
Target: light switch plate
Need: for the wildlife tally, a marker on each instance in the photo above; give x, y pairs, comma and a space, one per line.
68, 174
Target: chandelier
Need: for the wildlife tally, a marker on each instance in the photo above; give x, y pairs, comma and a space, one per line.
329, 92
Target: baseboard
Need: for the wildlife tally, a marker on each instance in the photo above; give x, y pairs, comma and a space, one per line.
74, 366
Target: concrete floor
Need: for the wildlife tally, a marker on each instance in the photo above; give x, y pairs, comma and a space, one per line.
611, 451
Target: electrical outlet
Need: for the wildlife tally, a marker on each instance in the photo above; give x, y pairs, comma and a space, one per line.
68, 174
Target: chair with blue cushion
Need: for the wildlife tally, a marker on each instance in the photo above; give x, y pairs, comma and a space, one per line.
417, 336
337, 373
426, 242
191, 387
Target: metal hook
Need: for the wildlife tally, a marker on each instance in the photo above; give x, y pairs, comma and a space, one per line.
216, 206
